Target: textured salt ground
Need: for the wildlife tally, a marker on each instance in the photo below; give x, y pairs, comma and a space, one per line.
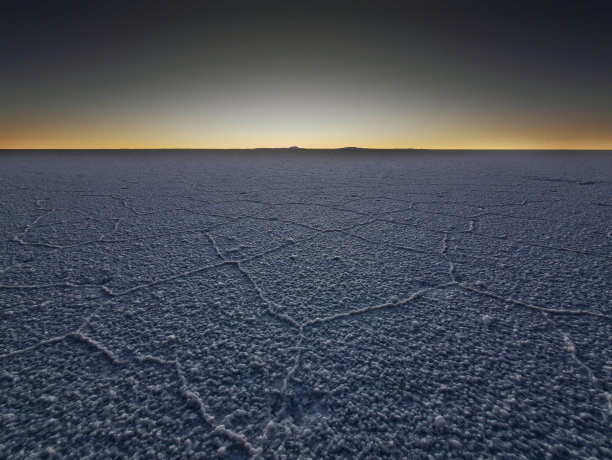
372, 306
394, 375
67, 399
547, 277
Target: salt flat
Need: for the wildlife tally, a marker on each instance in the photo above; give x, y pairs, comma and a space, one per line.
441, 304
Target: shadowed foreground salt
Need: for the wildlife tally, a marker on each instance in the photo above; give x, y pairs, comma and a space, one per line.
330, 306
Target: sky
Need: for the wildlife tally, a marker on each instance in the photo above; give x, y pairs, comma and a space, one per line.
379, 74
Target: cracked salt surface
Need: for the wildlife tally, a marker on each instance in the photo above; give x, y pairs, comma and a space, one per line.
269, 306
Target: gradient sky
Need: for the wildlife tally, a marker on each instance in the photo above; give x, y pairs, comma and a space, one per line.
380, 74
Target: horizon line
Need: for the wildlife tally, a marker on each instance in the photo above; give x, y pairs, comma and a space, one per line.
294, 148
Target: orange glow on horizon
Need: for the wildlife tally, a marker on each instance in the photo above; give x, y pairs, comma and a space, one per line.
160, 136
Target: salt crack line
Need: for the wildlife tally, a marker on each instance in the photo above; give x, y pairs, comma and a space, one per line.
283, 390
109, 195
11, 267
444, 247
536, 245
111, 293
261, 218
280, 246
46, 286
307, 238
215, 246
155, 235
470, 228
115, 226
75, 335
204, 213
451, 271
17, 239
219, 429
334, 208
382, 243
393, 211
439, 213
87, 320
34, 347
529, 218
409, 224
41, 207
522, 203
106, 240
98, 346
232, 218
382, 306
570, 346
551, 311
57, 246
271, 305
289, 376
235, 413
451, 265
153, 359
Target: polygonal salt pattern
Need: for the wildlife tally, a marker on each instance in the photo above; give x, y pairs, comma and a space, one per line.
314, 305
335, 272
69, 400
30, 316
451, 373
542, 276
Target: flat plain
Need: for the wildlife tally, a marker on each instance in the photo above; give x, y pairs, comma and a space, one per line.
306, 304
